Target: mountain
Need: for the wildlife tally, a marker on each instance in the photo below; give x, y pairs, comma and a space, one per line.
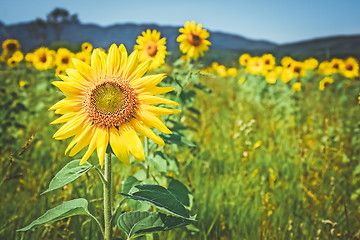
32, 36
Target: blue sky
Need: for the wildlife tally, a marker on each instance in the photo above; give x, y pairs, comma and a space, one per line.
280, 21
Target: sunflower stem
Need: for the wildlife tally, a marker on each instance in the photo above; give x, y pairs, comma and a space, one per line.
146, 143
107, 196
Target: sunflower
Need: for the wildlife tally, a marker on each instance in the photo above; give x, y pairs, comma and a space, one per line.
43, 58
286, 75
10, 46
221, 70
271, 77
244, 58
18, 55
151, 47
311, 63
232, 72
63, 58
84, 56
60, 71
287, 61
269, 61
296, 87
193, 40
325, 83
29, 57
86, 47
298, 69
336, 65
108, 103
350, 68
12, 62
255, 65
325, 68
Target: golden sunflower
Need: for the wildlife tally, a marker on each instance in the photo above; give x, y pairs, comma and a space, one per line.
269, 61
84, 56
12, 62
193, 40
271, 77
232, 72
86, 47
325, 68
336, 65
244, 58
287, 61
286, 75
298, 69
325, 83
296, 87
350, 68
311, 63
151, 47
108, 103
18, 55
10, 46
63, 58
43, 58
29, 57
255, 65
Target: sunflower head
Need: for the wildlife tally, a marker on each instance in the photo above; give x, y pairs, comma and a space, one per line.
350, 68
271, 77
84, 56
311, 63
43, 58
12, 62
269, 61
325, 83
296, 87
193, 41
255, 65
151, 47
287, 61
244, 58
109, 102
298, 69
86, 47
63, 58
10, 46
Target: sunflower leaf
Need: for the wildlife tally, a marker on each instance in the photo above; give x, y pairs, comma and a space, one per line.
138, 223
67, 209
67, 174
161, 198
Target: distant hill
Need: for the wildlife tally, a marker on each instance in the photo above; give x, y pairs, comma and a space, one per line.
31, 37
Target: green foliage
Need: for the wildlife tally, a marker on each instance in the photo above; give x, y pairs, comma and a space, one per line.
67, 174
135, 224
67, 209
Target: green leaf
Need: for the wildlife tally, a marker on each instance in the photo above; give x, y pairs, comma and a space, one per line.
135, 224
158, 162
180, 191
129, 182
161, 198
67, 174
67, 209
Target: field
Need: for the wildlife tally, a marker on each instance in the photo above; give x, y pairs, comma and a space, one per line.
261, 159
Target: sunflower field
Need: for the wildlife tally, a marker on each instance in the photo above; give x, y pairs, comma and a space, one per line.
258, 148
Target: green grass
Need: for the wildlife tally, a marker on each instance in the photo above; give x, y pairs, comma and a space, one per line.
297, 184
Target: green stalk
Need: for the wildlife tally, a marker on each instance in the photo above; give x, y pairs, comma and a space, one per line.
107, 196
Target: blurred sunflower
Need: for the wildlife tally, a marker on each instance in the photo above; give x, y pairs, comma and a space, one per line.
10, 46
298, 69
232, 72
269, 61
84, 56
325, 83
336, 65
43, 58
12, 62
60, 71
86, 47
244, 58
18, 55
151, 47
286, 75
255, 65
311, 63
287, 61
221, 70
29, 57
108, 103
350, 68
193, 40
63, 58
325, 68
296, 87
271, 77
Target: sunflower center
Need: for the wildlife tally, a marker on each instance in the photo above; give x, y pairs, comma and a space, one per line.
297, 69
194, 39
43, 58
11, 47
111, 103
151, 49
65, 60
349, 67
267, 61
336, 66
